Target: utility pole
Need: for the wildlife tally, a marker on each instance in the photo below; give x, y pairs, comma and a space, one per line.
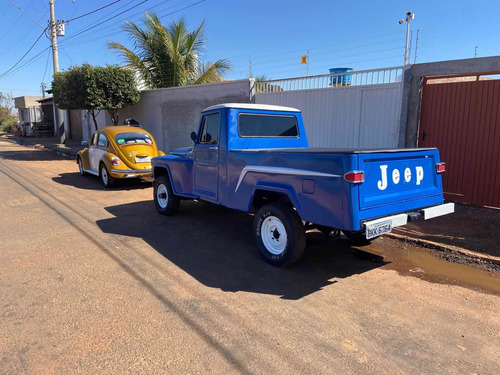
53, 36
58, 114
409, 16
43, 89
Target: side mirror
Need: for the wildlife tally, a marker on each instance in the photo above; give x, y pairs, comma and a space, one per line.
194, 136
85, 144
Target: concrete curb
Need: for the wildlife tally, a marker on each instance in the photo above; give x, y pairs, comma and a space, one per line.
446, 248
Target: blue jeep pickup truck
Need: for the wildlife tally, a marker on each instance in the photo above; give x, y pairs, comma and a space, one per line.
255, 158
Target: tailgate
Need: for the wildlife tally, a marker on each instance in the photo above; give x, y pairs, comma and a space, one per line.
398, 176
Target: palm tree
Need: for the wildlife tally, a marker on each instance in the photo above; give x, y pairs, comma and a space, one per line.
169, 56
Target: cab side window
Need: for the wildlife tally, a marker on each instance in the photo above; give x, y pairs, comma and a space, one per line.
210, 129
102, 141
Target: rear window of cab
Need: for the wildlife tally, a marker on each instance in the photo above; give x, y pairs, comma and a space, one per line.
133, 138
267, 126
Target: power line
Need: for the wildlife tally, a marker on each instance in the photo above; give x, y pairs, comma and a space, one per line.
324, 53
117, 30
35, 21
46, 66
109, 19
28, 62
18, 61
93, 11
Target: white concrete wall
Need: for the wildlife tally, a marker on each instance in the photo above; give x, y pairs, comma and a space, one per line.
171, 114
346, 117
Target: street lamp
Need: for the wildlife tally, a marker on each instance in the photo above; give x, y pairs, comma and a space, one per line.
409, 16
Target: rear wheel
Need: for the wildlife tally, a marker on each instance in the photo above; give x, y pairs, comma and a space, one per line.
279, 234
166, 202
107, 180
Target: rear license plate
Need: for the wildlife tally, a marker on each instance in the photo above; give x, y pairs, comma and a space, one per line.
146, 159
377, 229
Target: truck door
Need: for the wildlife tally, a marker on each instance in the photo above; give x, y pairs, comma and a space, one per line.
206, 158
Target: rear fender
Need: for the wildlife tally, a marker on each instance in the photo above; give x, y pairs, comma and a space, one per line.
283, 189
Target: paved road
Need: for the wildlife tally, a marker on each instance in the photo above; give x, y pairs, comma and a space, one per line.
94, 281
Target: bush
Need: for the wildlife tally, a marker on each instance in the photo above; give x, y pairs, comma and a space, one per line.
8, 122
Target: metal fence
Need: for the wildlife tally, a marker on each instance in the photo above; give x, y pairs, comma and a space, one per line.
335, 80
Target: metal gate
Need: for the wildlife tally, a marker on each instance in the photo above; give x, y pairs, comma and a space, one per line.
462, 119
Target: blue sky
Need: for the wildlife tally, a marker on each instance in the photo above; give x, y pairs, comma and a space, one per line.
359, 34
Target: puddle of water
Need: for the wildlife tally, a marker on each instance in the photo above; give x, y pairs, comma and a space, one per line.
414, 261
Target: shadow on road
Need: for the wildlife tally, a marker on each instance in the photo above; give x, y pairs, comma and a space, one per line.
215, 245
32, 155
90, 182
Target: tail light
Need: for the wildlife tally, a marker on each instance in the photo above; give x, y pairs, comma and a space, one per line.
440, 167
115, 160
355, 177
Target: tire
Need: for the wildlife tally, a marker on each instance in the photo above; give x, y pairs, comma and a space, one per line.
279, 234
166, 202
357, 238
80, 166
107, 180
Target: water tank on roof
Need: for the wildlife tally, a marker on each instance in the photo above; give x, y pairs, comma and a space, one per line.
340, 80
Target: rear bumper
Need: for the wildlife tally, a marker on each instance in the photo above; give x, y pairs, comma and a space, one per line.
403, 218
131, 173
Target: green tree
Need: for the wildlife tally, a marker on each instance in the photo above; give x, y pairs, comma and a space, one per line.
168, 56
95, 88
8, 121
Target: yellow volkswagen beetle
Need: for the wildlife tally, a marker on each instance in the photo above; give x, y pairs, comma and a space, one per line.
118, 152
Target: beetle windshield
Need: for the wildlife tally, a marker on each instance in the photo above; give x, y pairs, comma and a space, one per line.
133, 138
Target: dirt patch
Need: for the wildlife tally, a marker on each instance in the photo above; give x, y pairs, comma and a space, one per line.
471, 227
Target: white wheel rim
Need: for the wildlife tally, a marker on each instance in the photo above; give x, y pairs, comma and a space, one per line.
104, 174
273, 235
161, 192
80, 166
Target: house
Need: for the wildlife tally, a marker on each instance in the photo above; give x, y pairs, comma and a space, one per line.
29, 111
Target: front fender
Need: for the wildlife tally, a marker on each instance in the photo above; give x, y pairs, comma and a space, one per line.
84, 156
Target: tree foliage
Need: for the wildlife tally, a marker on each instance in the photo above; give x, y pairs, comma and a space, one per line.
168, 56
8, 121
95, 88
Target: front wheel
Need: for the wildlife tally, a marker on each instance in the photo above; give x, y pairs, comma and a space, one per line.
166, 202
279, 234
80, 167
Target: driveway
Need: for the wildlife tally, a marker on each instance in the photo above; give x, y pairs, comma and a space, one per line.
95, 281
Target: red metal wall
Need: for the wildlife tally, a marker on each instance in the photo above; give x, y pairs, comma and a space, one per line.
462, 119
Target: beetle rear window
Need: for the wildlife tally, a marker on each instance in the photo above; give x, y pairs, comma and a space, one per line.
127, 138
267, 126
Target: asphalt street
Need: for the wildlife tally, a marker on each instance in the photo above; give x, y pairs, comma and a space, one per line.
94, 281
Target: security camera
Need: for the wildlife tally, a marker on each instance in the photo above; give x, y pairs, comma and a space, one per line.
408, 13
401, 22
